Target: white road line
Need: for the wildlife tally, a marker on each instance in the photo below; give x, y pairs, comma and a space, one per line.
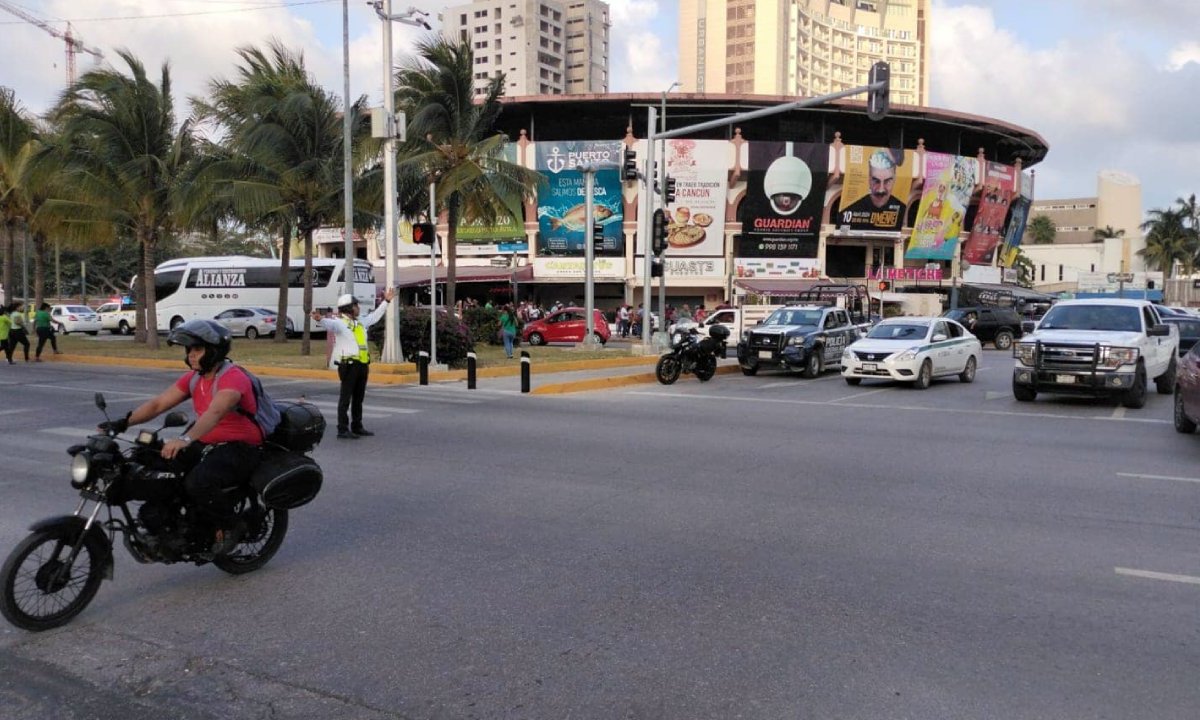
14, 411
993, 395
1150, 575
81, 433
768, 386
862, 394
378, 411
1158, 477
1118, 412
91, 390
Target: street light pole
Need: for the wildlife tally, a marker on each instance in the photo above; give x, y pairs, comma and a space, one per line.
347, 170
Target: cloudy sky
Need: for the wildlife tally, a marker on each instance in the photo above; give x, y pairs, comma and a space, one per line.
1108, 83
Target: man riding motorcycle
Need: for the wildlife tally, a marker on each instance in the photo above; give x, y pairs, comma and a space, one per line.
222, 447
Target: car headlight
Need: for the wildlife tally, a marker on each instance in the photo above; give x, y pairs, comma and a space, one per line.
81, 465
907, 355
798, 340
1114, 357
1024, 353
847, 356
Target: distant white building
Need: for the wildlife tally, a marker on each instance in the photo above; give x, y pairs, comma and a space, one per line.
543, 47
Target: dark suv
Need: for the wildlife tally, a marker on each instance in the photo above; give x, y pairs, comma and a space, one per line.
998, 326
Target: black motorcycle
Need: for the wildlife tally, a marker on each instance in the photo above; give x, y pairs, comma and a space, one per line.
52, 575
692, 354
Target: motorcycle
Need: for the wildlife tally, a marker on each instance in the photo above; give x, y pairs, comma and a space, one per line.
56, 571
691, 354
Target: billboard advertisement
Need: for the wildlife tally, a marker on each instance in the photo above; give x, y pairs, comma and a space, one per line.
504, 234
950, 179
1017, 220
989, 218
875, 191
561, 201
696, 220
785, 192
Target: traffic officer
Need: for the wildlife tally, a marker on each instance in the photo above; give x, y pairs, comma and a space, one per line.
352, 359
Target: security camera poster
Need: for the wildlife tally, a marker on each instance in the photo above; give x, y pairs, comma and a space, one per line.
998, 185
1017, 219
696, 220
950, 180
875, 191
785, 192
561, 200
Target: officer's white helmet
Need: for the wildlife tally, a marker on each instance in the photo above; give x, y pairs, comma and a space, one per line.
787, 175
345, 301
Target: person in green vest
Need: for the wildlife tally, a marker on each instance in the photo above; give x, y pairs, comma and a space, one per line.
17, 334
352, 358
5, 328
508, 328
45, 331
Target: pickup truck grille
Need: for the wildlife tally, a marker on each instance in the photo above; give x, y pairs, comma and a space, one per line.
1068, 357
759, 341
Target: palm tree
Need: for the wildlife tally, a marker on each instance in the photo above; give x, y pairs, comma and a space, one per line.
123, 157
1106, 232
17, 144
1167, 240
452, 138
1042, 230
283, 168
1024, 267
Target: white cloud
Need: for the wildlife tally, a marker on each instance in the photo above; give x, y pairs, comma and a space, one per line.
1182, 54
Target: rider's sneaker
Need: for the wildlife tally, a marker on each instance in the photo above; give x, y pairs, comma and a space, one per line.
227, 538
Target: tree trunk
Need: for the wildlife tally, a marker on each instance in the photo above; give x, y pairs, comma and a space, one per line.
8, 242
149, 241
450, 254
140, 285
306, 341
285, 263
39, 269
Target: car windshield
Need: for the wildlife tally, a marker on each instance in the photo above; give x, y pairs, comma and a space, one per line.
263, 311
794, 317
1092, 317
898, 331
79, 309
955, 314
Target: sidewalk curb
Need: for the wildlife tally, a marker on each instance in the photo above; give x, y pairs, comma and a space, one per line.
610, 382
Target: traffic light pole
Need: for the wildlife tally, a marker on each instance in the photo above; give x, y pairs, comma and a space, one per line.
646, 209
589, 251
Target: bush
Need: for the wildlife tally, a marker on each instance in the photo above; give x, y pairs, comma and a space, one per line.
454, 339
484, 324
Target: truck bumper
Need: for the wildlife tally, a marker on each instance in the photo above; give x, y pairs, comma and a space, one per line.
1074, 383
790, 358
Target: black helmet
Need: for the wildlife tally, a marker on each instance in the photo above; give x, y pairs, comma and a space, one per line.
214, 337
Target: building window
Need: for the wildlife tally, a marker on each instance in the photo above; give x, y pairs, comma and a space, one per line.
1043, 273
1060, 273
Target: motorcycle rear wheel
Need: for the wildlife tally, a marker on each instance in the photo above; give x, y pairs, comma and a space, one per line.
667, 370
259, 545
39, 591
706, 367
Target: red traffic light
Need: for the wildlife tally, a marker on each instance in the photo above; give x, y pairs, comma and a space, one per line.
884, 286
424, 233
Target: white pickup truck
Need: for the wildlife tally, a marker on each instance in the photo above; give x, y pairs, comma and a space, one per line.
118, 318
1096, 347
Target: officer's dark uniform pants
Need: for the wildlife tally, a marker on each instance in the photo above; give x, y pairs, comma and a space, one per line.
353, 375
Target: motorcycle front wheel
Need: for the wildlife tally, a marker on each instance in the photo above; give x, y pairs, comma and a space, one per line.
706, 367
265, 533
42, 592
667, 370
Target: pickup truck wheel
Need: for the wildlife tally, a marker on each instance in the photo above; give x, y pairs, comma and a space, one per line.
1003, 340
1183, 423
812, 365
1165, 383
1024, 393
124, 328
853, 381
750, 371
924, 376
1135, 397
968, 373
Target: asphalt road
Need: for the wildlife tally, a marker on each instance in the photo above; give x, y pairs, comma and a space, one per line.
762, 547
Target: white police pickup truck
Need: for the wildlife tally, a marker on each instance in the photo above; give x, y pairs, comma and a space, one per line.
1099, 347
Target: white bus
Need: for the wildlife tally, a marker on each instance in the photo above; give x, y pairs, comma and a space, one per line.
202, 287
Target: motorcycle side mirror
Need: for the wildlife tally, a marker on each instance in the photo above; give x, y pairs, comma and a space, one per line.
175, 419
100, 401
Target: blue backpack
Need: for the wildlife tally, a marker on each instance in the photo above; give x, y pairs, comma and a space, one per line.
266, 415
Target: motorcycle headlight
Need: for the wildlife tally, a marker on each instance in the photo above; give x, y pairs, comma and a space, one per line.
81, 465
1024, 353
907, 355
676, 338
1114, 357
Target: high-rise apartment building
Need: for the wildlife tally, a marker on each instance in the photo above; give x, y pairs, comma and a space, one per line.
803, 47
543, 47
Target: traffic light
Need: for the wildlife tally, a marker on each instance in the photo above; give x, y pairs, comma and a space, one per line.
424, 233
597, 238
656, 267
658, 232
884, 286
629, 166
877, 98
670, 189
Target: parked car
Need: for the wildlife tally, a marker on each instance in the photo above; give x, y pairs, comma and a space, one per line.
119, 318
999, 326
252, 322
1189, 330
74, 318
913, 349
1187, 391
566, 325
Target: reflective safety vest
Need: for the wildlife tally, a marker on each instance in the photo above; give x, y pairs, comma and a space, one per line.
360, 337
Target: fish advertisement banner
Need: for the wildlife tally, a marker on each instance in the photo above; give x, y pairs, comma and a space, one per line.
989, 218
785, 193
696, 220
561, 201
1017, 220
950, 180
875, 191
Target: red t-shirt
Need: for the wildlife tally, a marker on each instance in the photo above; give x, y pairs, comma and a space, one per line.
235, 426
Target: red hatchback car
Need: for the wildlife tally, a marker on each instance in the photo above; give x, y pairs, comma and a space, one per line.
566, 325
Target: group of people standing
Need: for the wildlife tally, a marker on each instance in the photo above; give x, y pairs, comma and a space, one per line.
14, 330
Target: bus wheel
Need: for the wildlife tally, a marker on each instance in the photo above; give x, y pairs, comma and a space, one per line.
176, 322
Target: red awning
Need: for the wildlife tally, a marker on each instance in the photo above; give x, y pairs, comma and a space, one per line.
777, 285
418, 276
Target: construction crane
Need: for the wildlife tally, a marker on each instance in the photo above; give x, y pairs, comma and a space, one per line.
74, 44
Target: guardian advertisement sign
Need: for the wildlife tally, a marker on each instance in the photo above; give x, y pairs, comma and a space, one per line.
875, 191
785, 193
561, 201
950, 180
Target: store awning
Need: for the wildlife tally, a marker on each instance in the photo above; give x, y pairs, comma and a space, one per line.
777, 285
418, 276
1018, 292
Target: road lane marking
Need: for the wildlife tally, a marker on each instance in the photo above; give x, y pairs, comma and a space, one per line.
14, 411
81, 433
863, 394
768, 386
1151, 575
1141, 476
378, 411
993, 395
1118, 412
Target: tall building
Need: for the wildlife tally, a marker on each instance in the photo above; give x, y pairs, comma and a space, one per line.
803, 47
543, 47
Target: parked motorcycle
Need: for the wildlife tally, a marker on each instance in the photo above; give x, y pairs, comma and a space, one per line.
692, 354
55, 572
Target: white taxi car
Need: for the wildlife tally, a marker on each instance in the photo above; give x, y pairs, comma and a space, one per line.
75, 318
915, 350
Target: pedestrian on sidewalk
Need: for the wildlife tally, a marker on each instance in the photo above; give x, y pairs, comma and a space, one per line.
45, 331
5, 330
18, 335
508, 329
352, 358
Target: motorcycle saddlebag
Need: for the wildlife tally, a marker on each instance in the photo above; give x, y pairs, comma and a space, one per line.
301, 426
286, 479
